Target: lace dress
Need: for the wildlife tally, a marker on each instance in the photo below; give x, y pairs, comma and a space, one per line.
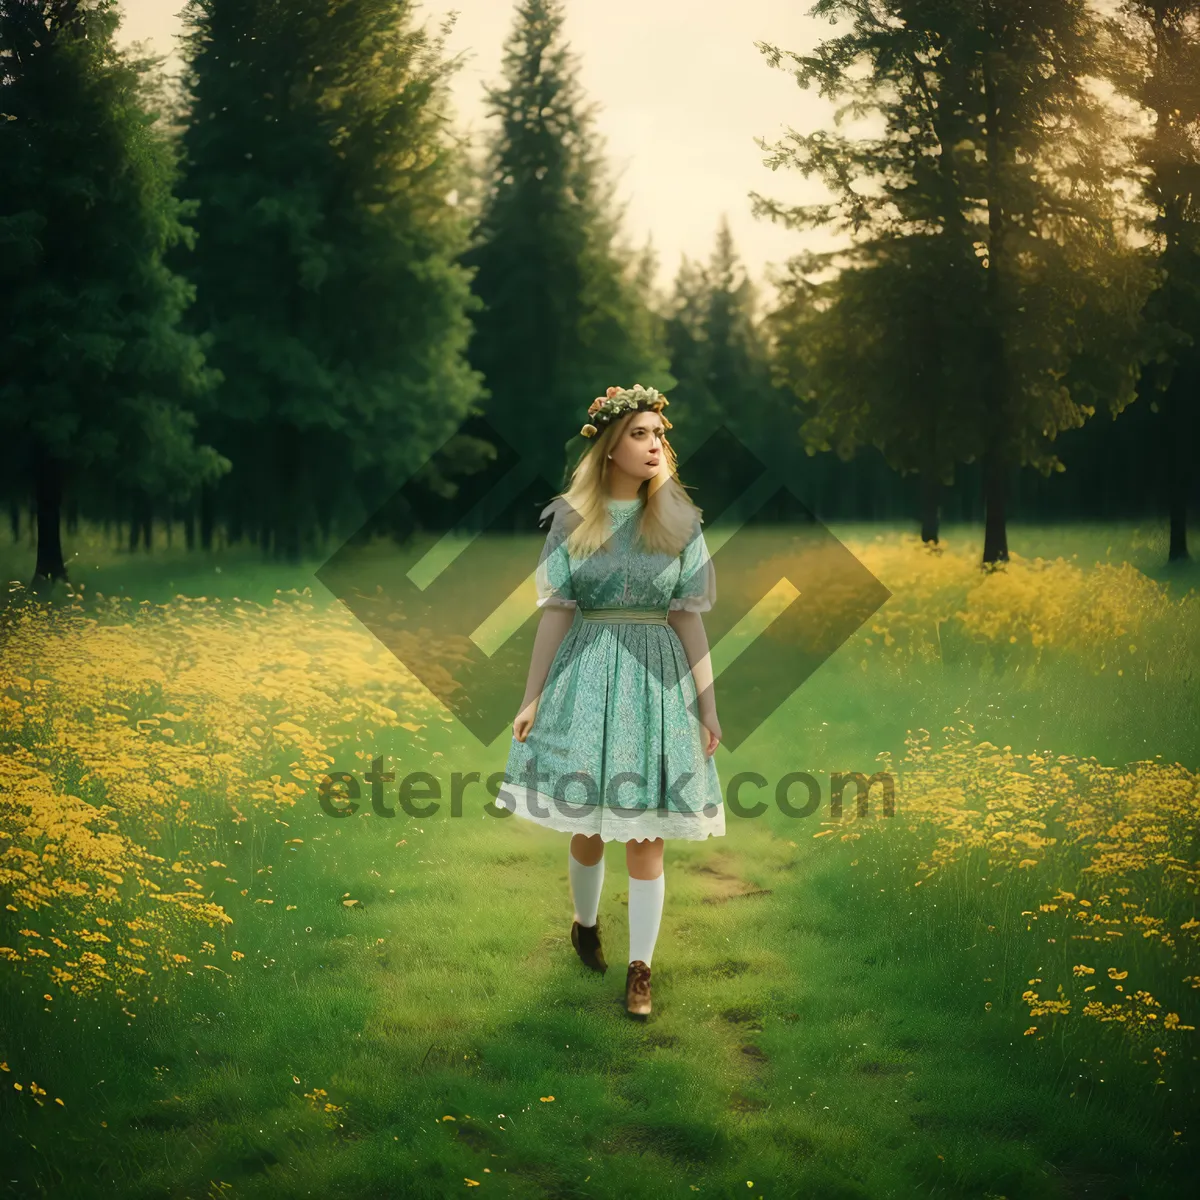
615, 746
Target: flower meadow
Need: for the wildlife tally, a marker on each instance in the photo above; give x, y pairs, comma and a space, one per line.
1094, 866
1098, 863
137, 738
159, 765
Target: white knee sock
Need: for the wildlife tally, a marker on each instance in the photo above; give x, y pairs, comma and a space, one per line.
586, 883
645, 915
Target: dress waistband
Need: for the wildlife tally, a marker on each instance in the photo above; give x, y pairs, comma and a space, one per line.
640, 616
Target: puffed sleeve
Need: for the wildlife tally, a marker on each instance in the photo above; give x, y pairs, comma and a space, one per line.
696, 590
554, 586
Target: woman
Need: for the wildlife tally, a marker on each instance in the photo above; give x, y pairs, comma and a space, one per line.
615, 737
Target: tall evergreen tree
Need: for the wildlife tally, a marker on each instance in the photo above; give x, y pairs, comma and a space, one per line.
720, 352
646, 313
995, 148
564, 312
686, 340
96, 375
881, 359
1159, 68
733, 367
329, 279
737, 369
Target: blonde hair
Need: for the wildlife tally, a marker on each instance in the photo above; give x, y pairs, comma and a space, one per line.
668, 519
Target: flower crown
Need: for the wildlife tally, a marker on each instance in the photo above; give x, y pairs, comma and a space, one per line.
616, 402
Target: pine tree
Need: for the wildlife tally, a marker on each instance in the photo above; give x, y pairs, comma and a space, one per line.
563, 313
988, 196
97, 379
686, 340
720, 353
329, 281
736, 369
880, 359
1159, 68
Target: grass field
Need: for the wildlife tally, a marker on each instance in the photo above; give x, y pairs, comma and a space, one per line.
209, 987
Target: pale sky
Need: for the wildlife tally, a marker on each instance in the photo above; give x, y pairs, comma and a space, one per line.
682, 93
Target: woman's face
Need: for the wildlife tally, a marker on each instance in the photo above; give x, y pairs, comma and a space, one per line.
639, 451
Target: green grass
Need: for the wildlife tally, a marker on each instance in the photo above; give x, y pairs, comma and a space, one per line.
103, 566
820, 1026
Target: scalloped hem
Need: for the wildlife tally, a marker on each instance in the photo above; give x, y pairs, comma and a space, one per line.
591, 819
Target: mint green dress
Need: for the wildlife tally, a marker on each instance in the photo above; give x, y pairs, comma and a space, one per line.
615, 749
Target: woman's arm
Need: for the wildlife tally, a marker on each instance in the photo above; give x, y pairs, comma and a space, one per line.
689, 626
552, 628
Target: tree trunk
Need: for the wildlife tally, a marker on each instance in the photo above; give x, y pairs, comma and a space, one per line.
14, 519
189, 525
1178, 551
141, 522
291, 510
995, 533
1177, 454
995, 529
235, 529
324, 509
930, 499
48, 486
208, 506
1177, 260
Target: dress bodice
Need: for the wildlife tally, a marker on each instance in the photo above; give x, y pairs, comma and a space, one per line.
622, 573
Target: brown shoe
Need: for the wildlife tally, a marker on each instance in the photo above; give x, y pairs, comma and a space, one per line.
637, 989
586, 940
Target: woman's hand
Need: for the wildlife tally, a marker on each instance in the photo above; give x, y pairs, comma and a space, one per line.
712, 733
524, 722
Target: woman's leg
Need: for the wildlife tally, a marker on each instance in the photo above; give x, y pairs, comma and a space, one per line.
647, 885
585, 864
